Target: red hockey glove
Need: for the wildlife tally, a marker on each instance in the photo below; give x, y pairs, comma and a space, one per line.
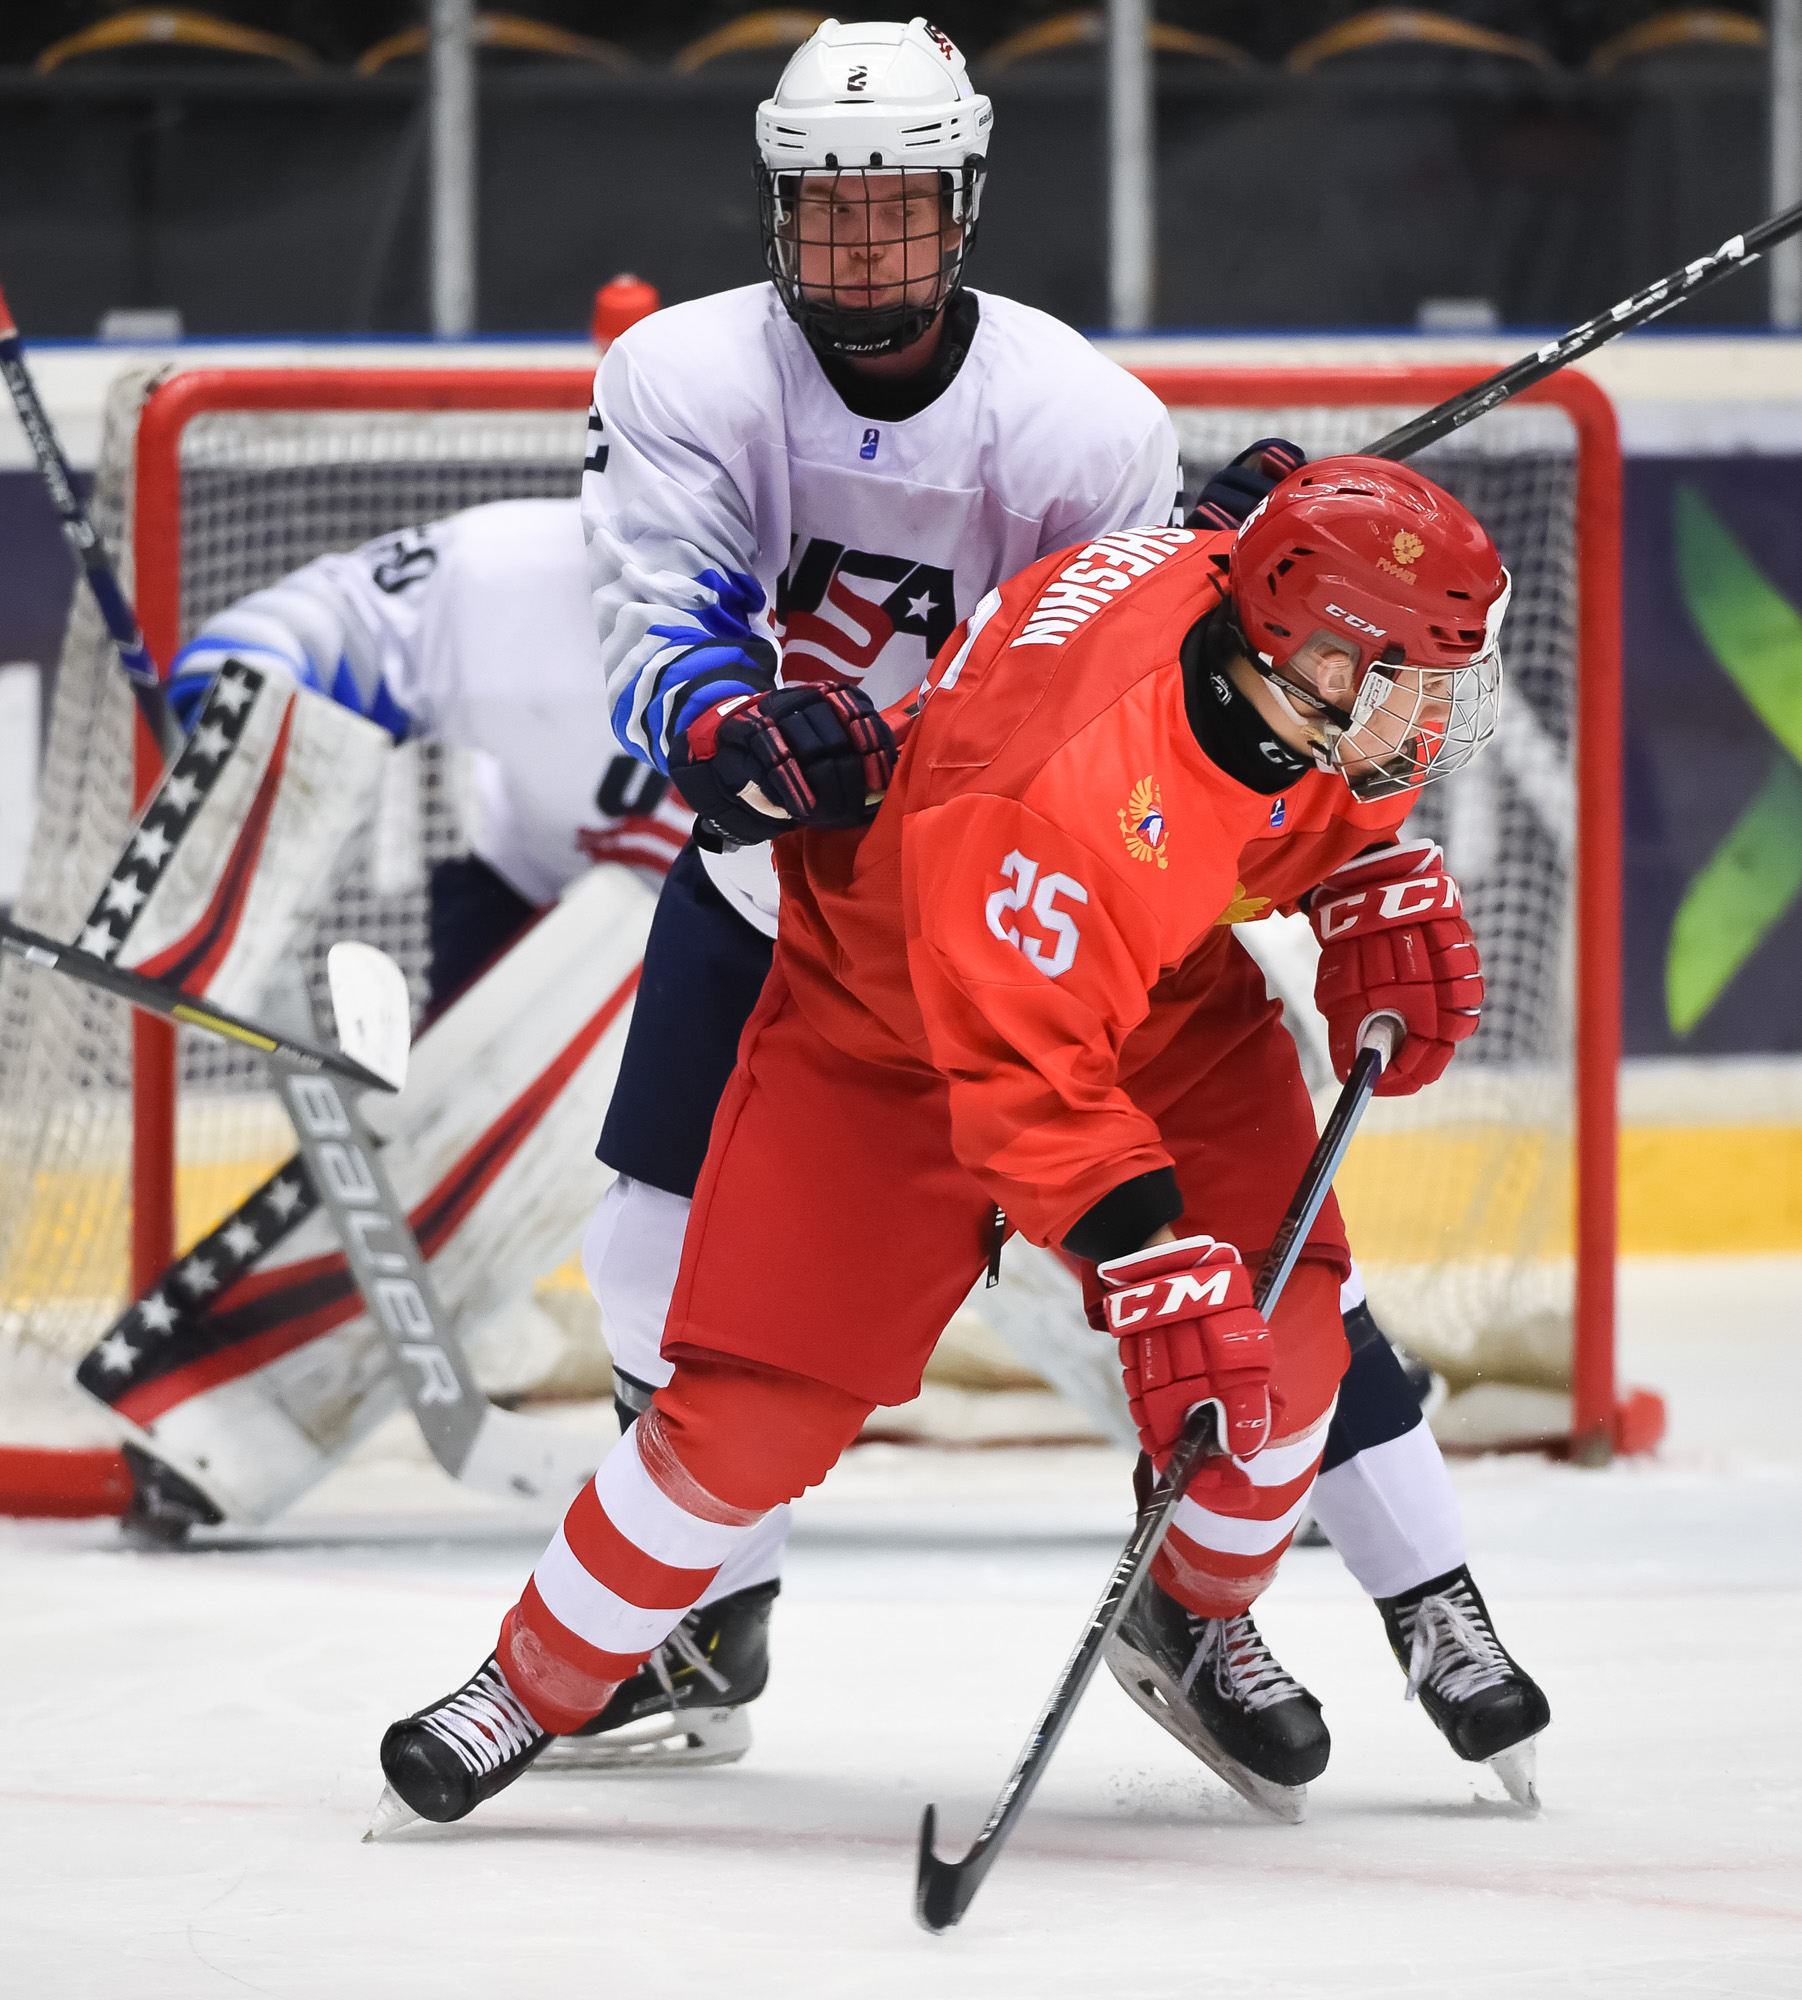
816, 752
1190, 1334
1393, 939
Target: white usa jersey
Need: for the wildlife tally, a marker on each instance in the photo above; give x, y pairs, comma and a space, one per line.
475, 631
736, 507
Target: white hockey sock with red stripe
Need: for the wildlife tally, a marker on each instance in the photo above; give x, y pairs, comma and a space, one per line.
639, 1546
1219, 1564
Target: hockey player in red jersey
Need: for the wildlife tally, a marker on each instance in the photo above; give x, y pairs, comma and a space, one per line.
1020, 991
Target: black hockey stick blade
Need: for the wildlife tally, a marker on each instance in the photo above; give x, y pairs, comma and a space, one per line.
156, 996
944, 1890
1639, 310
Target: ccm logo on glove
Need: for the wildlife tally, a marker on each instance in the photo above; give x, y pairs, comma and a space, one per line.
1190, 1333
1394, 940
1396, 903
1184, 1289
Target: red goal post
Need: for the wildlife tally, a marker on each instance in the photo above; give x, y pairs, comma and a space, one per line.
1597, 1427
157, 542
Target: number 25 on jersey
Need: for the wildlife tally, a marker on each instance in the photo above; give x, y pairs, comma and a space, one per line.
1055, 953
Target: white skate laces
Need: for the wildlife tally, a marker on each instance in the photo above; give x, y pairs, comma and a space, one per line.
1452, 1650
484, 1722
681, 1643
1245, 1669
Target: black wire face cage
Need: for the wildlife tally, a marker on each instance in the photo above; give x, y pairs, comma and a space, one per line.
864, 258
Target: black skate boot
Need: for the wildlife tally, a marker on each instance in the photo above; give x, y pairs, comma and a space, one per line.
1486, 1708
443, 1762
164, 1505
686, 1704
1217, 1688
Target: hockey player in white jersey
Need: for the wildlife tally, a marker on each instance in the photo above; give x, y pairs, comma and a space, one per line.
473, 631
795, 491
251, 1367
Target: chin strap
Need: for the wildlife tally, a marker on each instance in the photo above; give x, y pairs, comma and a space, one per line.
1320, 712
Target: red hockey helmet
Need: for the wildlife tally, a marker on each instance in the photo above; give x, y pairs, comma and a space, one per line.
1373, 601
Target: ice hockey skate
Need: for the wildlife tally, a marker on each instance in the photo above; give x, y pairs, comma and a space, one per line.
1219, 1690
1487, 1709
685, 1707
442, 1762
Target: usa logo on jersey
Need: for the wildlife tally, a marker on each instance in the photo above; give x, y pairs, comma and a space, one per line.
838, 610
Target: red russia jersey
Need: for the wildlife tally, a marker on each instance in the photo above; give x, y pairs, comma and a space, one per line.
1040, 907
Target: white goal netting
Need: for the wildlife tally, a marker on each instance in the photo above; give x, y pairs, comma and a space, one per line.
1459, 1200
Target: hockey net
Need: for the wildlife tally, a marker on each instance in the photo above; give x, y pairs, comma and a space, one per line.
1481, 1210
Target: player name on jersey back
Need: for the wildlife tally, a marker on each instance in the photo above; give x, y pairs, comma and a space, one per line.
1100, 572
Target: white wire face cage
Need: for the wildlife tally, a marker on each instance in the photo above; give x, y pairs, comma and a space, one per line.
1411, 725
865, 258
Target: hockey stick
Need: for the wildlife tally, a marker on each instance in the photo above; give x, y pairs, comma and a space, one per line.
489, 1448
161, 996
944, 1890
493, 1450
1639, 310
90, 551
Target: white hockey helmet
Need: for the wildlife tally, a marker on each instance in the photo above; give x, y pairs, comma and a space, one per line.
863, 109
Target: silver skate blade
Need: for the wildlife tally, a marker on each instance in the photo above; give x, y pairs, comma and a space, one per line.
686, 1740
391, 1813
1518, 1769
1157, 1695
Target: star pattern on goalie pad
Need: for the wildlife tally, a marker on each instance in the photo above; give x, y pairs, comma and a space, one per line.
116, 1353
232, 691
151, 845
196, 1278
240, 1238
171, 811
156, 1313
190, 1314
283, 1196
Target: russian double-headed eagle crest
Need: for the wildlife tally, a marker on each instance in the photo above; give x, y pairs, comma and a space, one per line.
1142, 824
1408, 548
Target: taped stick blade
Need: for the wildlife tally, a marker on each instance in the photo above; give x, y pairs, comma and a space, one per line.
369, 998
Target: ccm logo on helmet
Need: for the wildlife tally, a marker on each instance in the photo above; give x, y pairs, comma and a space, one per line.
1396, 902
1355, 622
1179, 1291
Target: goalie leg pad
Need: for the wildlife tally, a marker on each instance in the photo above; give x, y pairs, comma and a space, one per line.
253, 1377
239, 842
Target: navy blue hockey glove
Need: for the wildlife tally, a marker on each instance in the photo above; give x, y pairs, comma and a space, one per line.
1228, 498
817, 752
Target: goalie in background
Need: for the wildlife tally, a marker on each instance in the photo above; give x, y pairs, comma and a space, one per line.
251, 1368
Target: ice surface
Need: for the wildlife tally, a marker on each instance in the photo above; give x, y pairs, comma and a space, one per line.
190, 1748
